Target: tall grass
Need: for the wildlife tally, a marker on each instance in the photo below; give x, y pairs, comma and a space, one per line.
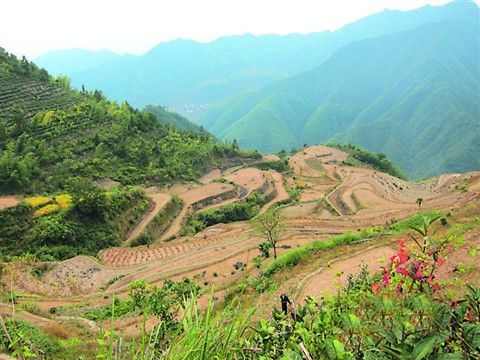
414, 220
294, 256
200, 335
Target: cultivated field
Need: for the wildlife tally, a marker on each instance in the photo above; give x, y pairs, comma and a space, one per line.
332, 199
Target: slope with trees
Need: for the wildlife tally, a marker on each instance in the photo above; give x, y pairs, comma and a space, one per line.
412, 95
52, 132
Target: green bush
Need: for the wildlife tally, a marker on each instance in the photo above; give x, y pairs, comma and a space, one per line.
377, 161
279, 165
27, 339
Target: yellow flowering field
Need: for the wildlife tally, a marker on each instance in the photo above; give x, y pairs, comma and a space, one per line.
300, 183
47, 209
37, 200
64, 201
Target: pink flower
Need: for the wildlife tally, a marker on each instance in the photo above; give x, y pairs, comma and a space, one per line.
441, 261
419, 274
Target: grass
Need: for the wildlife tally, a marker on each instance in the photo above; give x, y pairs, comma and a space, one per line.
414, 220
293, 257
202, 335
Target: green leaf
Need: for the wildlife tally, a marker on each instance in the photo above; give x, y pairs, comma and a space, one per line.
335, 349
472, 335
354, 321
424, 347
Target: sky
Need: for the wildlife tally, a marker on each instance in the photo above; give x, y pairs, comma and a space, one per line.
34, 27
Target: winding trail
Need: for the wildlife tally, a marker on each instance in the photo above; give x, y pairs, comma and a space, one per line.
209, 256
279, 188
159, 200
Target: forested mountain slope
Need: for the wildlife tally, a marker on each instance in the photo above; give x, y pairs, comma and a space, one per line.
413, 95
171, 118
188, 76
49, 133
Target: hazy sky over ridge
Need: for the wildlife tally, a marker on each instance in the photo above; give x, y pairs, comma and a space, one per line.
33, 27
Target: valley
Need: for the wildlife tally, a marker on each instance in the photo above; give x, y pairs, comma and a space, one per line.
332, 199
284, 196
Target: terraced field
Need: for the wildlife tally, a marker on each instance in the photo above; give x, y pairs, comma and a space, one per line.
31, 96
335, 199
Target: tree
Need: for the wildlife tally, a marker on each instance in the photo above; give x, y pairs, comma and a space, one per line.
3, 132
19, 121
87, 198
419, 201
235, 144
63, 81
270, 225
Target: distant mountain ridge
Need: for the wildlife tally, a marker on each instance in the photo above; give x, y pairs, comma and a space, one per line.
188, 76
402, 83
413, 95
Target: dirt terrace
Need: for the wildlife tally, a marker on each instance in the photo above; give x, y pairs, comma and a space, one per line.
355, 199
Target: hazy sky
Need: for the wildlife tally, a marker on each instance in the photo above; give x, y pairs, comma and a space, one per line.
33, 27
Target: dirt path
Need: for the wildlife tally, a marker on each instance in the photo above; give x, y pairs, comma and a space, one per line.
159, 200
176, 224
330, 279
8, 201
190, 195
281, 192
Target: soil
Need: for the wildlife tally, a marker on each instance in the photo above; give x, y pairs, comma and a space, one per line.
8, 201
356, 198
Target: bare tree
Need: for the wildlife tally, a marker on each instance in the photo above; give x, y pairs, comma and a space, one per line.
270, 225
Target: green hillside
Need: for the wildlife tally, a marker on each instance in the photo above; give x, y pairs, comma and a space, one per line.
412, 95
189, 76
171, 118
49, 133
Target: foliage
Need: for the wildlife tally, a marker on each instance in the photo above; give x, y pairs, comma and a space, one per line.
70, 231
170, 118
87, 198
163, 302
70, 132
270, 225
279, 165
198, 335
237, 211
357, 324
367, 158
25, 340
414, 220
157, 227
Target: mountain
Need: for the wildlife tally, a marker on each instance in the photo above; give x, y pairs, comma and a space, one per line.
189, 77
74, 60
173, 119
50, 133
413, 95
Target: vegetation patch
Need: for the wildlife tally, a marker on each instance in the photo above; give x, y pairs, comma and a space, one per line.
162, 221
237, 211
278, 165
48, 132
93, 222
359, 156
